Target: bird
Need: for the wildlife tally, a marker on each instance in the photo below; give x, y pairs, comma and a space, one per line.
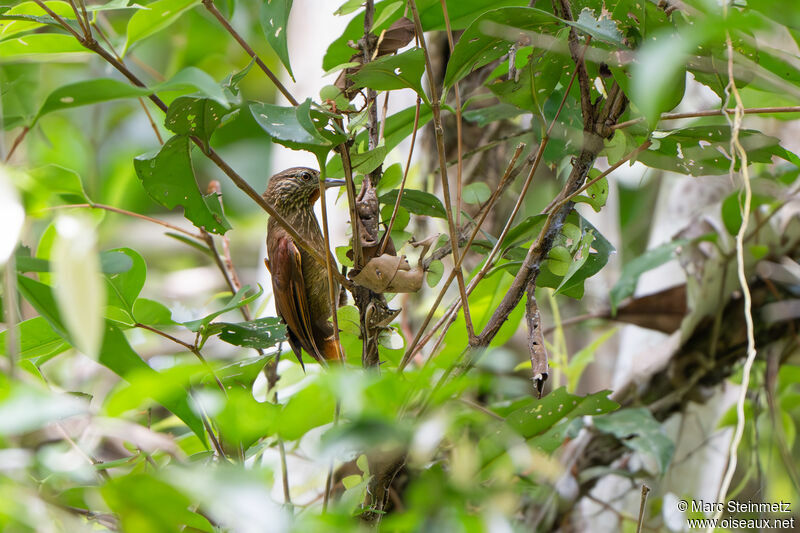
299, 282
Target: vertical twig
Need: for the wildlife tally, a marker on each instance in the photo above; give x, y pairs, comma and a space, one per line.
396, 207
439, 132
332, 290
642, 502
459, 135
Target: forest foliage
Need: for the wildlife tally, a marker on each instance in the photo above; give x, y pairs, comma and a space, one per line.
145, 388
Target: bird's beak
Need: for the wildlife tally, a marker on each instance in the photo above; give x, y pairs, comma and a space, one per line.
329, 182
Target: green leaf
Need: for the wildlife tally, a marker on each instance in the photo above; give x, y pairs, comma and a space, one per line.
462, 14
97, 90
368, 161
638, 430
152, 313
483, 116
110, 263
311, 407
153, 18
603, 29
40, 296
27, 16
19, 82
558, 260
633, 269
732, 209
245, 420
596, 194
535, 417
189, 115
417, 202
47, 47
168, 177
260, 333
275, 24
659, 74
434, 273
476, 193
399, 71
599, 252
578, 259
118, 356
700, 150
238, 300
124, 287
476, 47
293, 127
36, 338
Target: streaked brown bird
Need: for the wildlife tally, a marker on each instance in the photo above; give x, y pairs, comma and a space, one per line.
299, 282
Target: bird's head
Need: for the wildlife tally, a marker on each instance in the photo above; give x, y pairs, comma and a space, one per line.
296, 188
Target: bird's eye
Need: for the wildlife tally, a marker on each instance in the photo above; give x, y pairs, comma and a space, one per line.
306, 175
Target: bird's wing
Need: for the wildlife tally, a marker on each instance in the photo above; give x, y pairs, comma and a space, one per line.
288, 286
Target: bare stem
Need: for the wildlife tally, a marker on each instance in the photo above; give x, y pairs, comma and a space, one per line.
439, 132
209, 5
396, 207
712, 113
132, 214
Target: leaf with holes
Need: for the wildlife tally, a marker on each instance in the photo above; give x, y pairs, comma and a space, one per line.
189, 115
274, 19
260, 333
603, 28
703, 150
595, 194
294, 127
534, 417
168, 177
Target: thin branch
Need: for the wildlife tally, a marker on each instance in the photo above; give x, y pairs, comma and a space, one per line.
350, 189
86, 32
17, 141
642, 502
439, 132
396, 207
412, 347
190, 347
712, 113
332, 291
587, 110
132, 214
459, 136
63, 23
209, 5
